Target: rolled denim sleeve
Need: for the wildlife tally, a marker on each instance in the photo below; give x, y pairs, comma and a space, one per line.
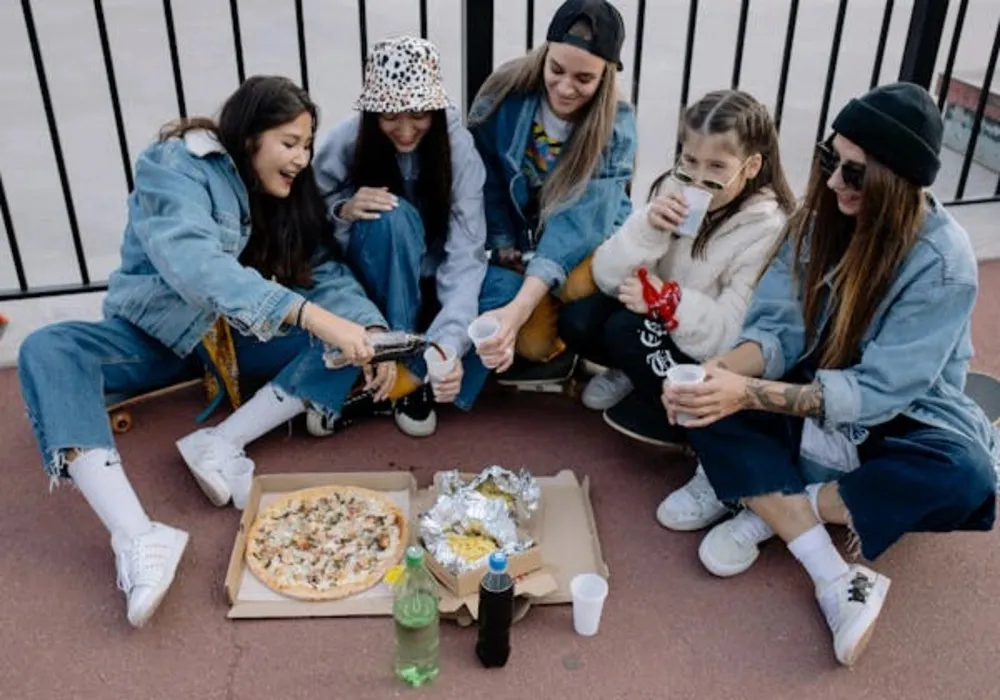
926, 321
172, 216
774, 318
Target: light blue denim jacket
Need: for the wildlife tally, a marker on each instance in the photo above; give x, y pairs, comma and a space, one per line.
573, 232
915, 354
188, 222
460, 268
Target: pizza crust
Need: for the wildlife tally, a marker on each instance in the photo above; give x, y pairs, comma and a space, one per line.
377, 503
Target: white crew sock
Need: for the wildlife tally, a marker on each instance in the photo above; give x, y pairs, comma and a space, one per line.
812, 490
815, 551
269, 408
99, 476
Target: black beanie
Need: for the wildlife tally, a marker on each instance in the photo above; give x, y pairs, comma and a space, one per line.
900, 126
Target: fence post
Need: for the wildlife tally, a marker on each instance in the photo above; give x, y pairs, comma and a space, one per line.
477, 47
922, 41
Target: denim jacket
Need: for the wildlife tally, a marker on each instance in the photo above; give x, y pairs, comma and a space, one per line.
460, 267
188, 222
574, 231
914, 355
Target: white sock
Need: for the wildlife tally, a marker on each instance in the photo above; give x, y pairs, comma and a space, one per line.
812, 490
269, 408
99, 476
815, 551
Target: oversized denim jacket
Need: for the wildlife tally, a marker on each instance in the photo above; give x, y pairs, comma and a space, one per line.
915, 354
188, 222
573, 232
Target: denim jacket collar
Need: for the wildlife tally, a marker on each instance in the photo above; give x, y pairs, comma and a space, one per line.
522, 132
202, 142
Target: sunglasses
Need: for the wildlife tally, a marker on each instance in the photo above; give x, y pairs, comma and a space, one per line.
851, 172
713, 185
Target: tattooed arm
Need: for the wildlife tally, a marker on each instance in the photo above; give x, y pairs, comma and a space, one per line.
805, 400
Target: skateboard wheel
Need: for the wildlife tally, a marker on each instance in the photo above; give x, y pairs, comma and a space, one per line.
121, 422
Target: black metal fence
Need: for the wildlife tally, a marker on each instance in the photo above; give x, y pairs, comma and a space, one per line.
923, 41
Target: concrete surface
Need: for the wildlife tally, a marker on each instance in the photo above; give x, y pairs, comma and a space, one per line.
670, 630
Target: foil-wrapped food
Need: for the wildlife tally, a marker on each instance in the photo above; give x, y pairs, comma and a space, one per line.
468, 521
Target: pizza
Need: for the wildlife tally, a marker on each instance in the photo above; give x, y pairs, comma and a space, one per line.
326, 543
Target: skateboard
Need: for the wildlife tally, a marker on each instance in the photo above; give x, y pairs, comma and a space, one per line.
984, 389
119, 407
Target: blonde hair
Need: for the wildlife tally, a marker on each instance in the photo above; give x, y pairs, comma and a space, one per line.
591, 136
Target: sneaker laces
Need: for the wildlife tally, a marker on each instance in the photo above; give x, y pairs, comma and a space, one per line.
749, 529
860, 587
141, 564
220, 450
699, 488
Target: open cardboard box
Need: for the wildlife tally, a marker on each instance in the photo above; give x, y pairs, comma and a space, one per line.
567, 536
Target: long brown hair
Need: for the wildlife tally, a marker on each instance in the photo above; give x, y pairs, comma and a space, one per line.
861, 254
374, 165
526, 75
753, 130
286, 233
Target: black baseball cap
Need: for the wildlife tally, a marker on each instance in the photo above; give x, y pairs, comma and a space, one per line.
606, 26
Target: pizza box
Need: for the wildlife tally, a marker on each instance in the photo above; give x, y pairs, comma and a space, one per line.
249, 598
568, 544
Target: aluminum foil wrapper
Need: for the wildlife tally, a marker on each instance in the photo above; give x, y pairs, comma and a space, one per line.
461, 509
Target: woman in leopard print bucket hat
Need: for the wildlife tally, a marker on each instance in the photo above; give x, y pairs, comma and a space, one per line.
403, 185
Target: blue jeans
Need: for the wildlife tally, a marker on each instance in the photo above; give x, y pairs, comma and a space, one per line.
387, 254
68, 369
912, 478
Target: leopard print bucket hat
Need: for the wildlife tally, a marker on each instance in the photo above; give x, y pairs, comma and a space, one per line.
403, 74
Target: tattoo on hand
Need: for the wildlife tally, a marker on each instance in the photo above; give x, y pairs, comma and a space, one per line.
790, 399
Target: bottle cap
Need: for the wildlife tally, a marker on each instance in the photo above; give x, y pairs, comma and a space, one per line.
498, 562
414, 556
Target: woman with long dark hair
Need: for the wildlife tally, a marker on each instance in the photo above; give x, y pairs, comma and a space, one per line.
223, 240
403, 185
843, 401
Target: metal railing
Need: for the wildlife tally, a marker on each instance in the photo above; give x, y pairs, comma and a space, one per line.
923, 41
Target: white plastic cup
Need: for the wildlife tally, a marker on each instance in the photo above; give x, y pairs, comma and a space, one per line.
685, 374
698, 201
239, 477
438, 367
589, 592
482, 329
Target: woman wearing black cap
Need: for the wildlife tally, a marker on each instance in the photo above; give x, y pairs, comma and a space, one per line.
843, 402
558, 144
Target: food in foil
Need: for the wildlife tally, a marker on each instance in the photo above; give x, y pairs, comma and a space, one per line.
469, 521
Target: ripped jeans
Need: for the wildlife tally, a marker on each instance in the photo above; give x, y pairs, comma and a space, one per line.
912, 478
68, 369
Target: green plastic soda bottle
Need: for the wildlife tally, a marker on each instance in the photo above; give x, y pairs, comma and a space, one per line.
417, 625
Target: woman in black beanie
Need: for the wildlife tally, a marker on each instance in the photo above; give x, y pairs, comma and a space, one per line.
843, 401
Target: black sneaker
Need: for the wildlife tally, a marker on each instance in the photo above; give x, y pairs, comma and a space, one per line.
640, 419
415, 414
539, 376
357, 407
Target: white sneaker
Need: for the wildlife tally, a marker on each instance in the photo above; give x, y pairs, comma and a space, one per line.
691, 507
605, 390
210, 456
851, 605
730, 548
146, 566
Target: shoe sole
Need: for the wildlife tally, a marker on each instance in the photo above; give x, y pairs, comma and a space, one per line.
724, 570
855, 650
640, 438
218, 495
154, 606
417, 429
537, 384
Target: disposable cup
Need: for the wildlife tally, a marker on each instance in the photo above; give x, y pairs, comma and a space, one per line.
697, 201
239, 477
482, 329
439, 366
589, 592
685, 374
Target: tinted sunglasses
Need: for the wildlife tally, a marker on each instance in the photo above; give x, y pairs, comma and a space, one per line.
713, 185
851, 172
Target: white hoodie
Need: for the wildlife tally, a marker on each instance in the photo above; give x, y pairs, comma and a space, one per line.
715, 287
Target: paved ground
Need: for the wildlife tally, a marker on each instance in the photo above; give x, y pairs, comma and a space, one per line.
670, 629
